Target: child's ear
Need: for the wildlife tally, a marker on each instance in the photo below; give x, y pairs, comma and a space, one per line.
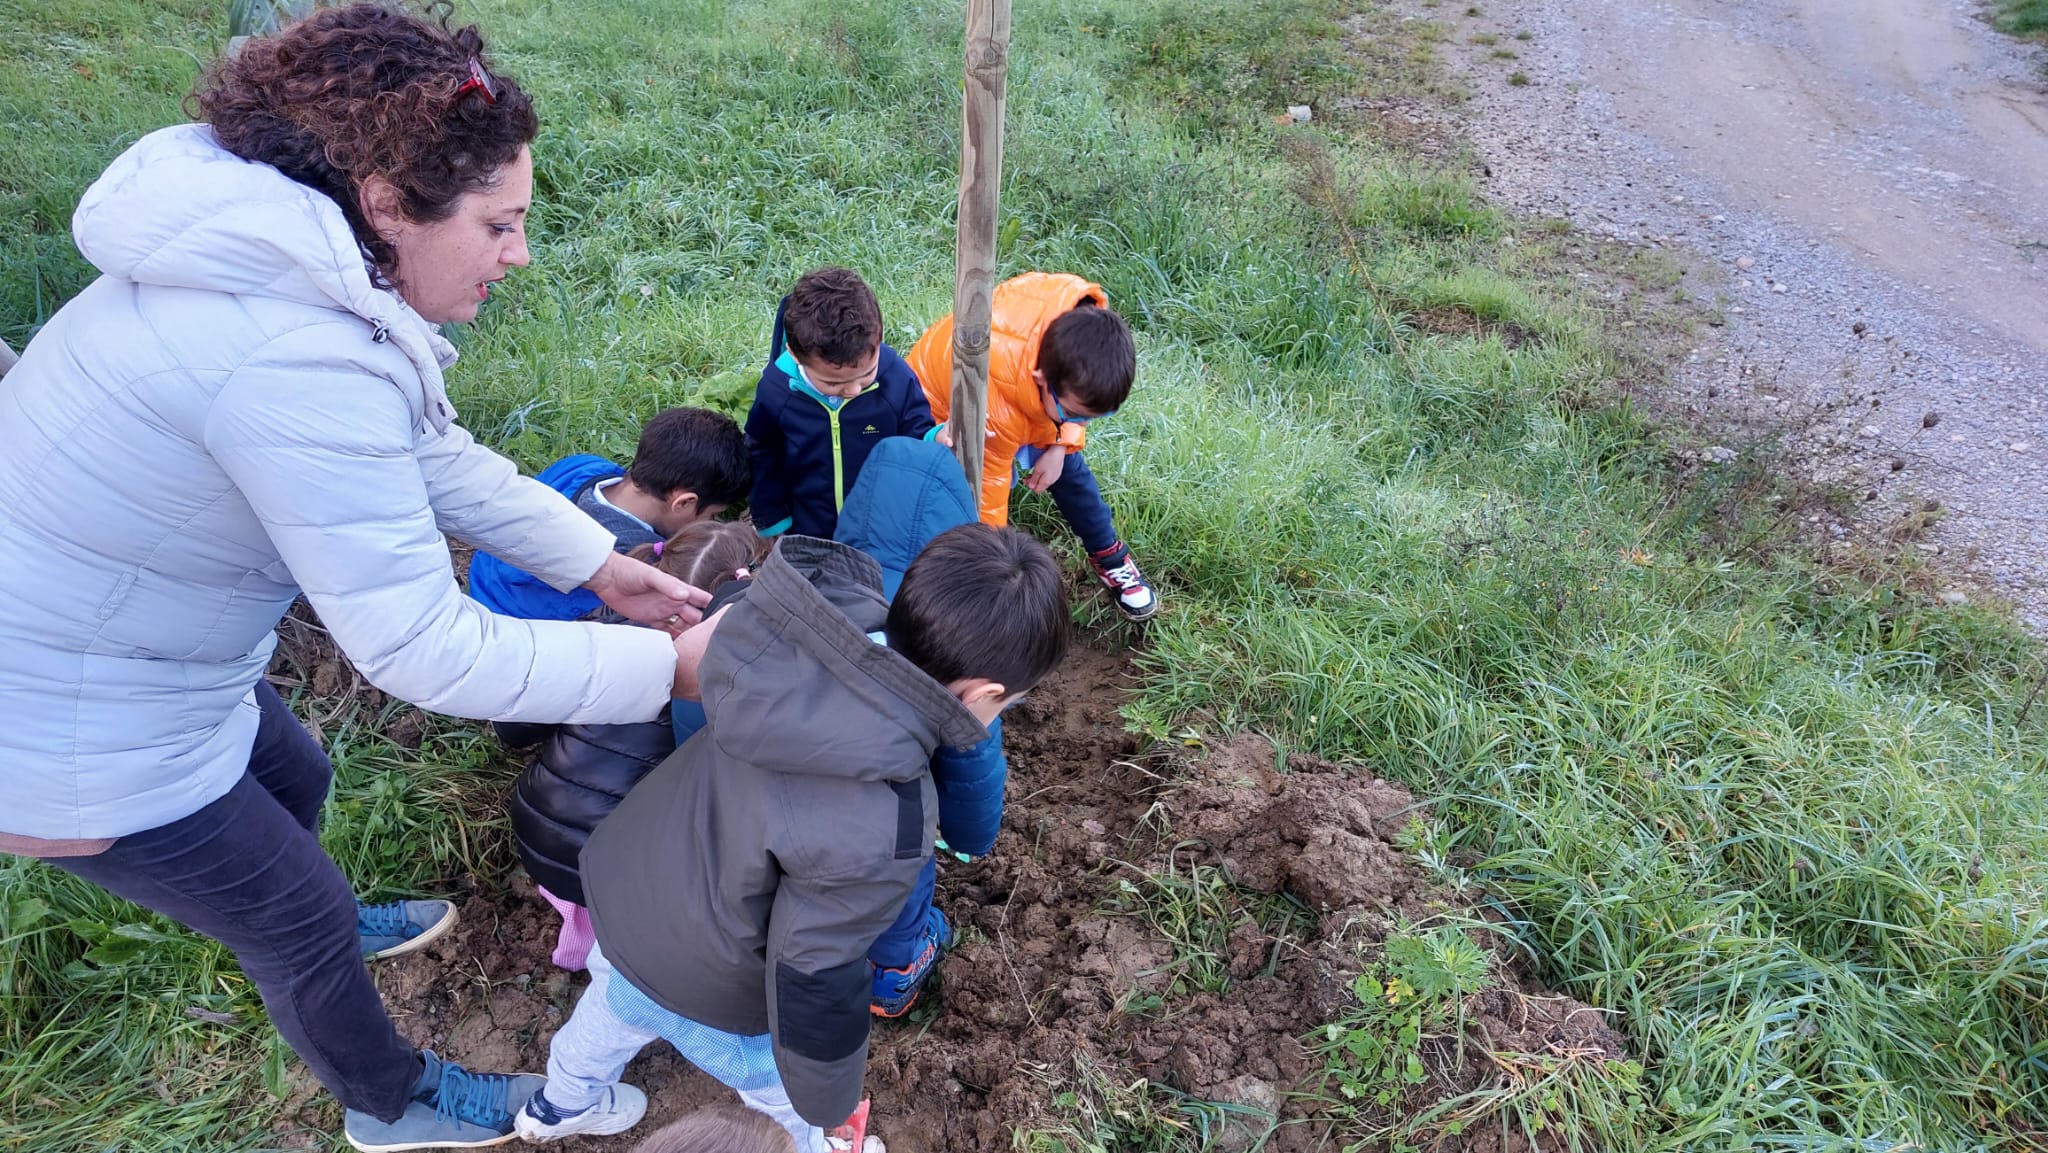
975, 690
682, 503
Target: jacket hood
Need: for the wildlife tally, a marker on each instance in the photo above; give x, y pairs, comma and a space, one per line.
572, 474
178, 210
909, 491
794, 683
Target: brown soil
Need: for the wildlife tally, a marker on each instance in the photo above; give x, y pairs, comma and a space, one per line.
1451, 320
1060, 981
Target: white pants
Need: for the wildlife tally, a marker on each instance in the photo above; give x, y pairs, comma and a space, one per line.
613, 1021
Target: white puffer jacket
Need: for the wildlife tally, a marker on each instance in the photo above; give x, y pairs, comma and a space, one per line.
231, 414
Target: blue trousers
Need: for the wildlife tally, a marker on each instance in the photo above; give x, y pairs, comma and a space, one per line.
899, 943
970, 787
1080, 501
248, 871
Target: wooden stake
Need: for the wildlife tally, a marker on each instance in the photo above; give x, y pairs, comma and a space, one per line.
974, 267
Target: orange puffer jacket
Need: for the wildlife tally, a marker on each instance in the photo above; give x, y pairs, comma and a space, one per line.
1022, 308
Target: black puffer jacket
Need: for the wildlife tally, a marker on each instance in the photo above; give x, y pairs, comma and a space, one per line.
578, 777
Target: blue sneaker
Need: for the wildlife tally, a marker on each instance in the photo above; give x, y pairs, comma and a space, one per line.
453, 1109
399, 927
896, 990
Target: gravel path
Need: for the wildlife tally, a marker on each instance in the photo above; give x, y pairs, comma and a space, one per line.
1866, 182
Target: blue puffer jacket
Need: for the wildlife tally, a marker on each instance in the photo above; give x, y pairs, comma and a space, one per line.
516, 593
808, 450
909, 492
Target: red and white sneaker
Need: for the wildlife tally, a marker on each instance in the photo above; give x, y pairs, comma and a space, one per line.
1120, 576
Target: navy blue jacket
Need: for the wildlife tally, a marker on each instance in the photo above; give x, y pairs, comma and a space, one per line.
807, 453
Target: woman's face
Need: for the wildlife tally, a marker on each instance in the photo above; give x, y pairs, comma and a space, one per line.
446, 268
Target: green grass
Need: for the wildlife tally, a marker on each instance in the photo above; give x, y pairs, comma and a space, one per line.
1788, 825
2023, 17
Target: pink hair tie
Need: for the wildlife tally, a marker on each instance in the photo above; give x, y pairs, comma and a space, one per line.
657, 547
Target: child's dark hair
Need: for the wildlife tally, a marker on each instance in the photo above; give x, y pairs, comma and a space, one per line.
982, 602
707, 553
692, 450
1087, 354
832, 316
722, 1128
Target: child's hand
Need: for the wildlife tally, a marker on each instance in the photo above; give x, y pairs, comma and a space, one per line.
944, 436
1046, 469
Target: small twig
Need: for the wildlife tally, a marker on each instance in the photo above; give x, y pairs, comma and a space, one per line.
1003, 946
2034, 694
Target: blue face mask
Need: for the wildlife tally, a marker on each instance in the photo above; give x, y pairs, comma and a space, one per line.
1060, 411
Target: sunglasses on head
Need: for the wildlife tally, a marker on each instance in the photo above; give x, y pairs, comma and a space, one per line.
480, 82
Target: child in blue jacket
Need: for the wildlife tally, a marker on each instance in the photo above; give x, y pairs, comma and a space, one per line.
689, 465
831, 392
908, 493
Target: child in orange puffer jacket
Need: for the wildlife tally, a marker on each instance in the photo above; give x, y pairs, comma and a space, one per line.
1059, 357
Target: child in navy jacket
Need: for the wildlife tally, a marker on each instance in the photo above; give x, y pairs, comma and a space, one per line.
831, 392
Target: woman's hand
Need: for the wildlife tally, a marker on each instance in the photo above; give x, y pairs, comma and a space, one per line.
690, 646
639, 591
1046, 469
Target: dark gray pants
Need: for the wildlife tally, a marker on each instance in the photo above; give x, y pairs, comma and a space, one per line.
248, 871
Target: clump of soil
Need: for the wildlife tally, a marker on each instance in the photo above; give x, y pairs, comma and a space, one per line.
1453, 320
1061, 962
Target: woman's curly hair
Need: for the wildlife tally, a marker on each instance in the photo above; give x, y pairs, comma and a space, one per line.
369, 90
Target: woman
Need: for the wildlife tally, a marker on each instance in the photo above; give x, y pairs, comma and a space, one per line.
248, 405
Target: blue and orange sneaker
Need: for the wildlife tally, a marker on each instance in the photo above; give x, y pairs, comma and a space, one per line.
896, 990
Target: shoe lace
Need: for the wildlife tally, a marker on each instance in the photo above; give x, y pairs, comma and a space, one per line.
386, 920
478, 1098
1125, 575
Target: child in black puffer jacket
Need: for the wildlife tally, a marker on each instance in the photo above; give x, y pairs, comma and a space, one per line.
582, 772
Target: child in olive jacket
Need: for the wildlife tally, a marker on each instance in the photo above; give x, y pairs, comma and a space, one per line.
737, 890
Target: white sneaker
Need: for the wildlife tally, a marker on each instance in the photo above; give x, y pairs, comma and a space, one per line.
618, 1110
1119, 574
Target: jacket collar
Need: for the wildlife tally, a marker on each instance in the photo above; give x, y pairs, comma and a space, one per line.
798, 382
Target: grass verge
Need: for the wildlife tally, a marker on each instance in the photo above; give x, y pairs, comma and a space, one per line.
2023, 18
1787, 825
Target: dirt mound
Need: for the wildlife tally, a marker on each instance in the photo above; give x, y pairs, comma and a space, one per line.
1180, 914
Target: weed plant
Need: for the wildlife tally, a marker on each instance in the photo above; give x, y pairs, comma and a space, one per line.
1788, 825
